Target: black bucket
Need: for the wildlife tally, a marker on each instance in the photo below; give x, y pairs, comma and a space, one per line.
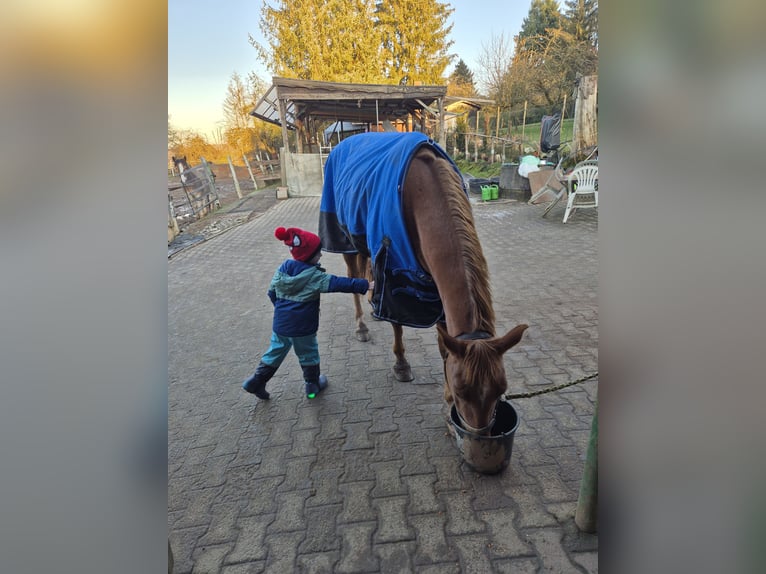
488, 454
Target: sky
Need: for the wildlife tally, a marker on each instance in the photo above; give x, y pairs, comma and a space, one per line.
208, 42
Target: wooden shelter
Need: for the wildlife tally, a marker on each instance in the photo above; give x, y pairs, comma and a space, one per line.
301, 105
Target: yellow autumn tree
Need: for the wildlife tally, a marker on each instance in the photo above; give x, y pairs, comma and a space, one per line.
415, 40
331, 40
363, 41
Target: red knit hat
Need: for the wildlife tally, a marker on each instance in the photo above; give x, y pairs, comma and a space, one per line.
303, 244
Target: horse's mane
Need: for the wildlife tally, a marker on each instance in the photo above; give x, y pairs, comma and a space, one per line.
474, 262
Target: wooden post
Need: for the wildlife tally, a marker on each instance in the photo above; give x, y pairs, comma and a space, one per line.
442, 131
523, 127
497, 133
475, 140
234, 176
250, 171
564, 109
586, 515
585, 125
465, 140
283, 123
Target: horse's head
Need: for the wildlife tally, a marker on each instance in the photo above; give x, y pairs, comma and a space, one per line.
475, 374
181, 163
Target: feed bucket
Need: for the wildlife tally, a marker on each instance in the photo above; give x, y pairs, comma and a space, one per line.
488, 454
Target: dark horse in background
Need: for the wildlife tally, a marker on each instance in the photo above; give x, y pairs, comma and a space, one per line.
188, 177
395, 206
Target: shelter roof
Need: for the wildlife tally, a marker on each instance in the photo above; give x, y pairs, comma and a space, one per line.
367, 103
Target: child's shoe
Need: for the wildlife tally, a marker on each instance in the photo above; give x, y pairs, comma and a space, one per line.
313, 389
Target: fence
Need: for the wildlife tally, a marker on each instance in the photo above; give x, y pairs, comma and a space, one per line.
192, 194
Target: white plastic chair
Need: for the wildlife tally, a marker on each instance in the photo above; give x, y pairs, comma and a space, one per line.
582, 187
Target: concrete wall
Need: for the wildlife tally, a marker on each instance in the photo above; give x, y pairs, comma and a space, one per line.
303, 174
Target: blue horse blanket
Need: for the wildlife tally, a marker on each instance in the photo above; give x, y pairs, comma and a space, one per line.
361, 211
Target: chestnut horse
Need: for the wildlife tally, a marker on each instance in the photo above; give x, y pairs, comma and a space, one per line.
439, 222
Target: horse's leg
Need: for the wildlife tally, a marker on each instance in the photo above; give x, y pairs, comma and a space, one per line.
443, 353
354, 270
402, 370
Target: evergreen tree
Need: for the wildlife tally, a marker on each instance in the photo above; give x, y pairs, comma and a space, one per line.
543, 16
552, 50
331, 40
414, 35
461, 81
364, 41
581, 20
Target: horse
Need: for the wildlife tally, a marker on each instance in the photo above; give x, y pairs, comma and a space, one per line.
188, 178
449, 288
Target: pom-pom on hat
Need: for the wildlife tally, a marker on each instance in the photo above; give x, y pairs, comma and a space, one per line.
303, 244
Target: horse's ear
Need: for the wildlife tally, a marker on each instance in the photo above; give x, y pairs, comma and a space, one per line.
453, 345
174, 158
508, 340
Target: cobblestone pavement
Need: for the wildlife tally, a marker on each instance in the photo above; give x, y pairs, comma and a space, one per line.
365, 478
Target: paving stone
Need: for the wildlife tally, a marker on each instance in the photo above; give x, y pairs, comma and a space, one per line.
388, 481
392, 520
325, 488
422, 496
461, 518
547, 543
587, 560
517, 566
322, 563
297, 474
395, 558
357, 555
357, 436
473, 553
249, 544
504, 538
210, 559
290, 515
357, 504
283, 551
432, 545
320, 533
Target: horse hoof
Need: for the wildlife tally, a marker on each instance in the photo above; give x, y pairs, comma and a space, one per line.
363, 336
403, 374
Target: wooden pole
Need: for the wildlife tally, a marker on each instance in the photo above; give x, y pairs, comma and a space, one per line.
283, 123
564, 109
234, 176
250, 171
442, 130
586, 515
523, 127
497, 133
476, 140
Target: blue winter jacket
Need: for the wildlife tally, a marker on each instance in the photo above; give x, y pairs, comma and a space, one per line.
295, 290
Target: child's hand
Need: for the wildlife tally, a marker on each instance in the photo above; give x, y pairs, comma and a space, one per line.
371, 286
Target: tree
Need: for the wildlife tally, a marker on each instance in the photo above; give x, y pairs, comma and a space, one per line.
543, 16
238, 104
581, 20
364, 41
415, 43
494, 63
333, 40
551, 51
461, 81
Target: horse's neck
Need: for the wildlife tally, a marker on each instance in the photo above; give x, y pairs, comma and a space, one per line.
438, 237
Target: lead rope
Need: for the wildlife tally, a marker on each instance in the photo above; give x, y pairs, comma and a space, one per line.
549, 389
